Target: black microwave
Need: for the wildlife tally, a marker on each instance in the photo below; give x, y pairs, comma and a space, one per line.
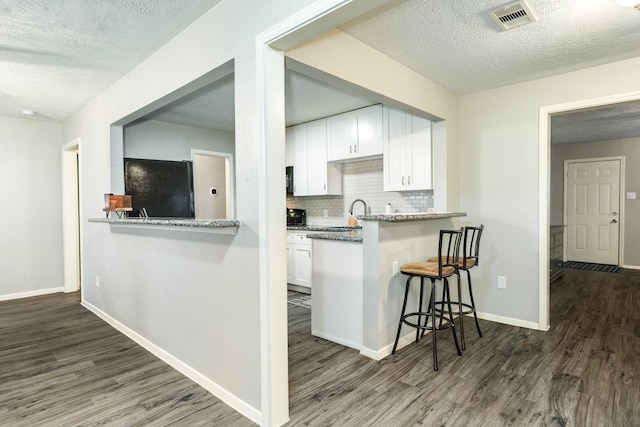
289, 179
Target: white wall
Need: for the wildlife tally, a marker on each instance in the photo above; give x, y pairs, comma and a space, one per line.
152, 139
194, 296
630, 149
499, 178
31, 212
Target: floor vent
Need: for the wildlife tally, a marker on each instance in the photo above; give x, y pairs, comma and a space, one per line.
513, 15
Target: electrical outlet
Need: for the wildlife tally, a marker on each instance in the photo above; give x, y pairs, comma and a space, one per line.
395, 269
502, 282
97, 281
325, 212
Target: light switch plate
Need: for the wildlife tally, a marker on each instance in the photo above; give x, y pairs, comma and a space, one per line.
631, 196
502, 282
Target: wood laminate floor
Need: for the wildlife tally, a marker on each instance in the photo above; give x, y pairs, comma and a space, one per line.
62, 366
585, 371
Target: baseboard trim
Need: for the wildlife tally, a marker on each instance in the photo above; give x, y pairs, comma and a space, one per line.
221, 393
336, 340
29, 294
631, 267
386, 350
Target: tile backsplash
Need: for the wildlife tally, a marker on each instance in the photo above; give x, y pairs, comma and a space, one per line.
360, 180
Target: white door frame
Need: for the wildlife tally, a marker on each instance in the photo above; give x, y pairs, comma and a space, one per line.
544, 190
71, 215
621, 215
304, 25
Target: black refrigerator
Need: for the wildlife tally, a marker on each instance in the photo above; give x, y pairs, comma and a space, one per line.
163, 187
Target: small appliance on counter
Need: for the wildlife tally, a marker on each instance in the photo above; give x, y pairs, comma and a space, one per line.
296, 217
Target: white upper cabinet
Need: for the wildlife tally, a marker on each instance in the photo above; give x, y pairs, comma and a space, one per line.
356, 134
313, 175
407, 152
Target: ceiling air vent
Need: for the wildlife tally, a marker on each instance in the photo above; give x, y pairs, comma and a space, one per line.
513, 15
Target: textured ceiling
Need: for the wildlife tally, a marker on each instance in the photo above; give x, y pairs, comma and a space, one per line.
456, 43
57, 55
615, 121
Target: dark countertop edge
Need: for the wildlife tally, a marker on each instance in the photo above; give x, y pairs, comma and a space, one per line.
337, 236
179, 223
418, 216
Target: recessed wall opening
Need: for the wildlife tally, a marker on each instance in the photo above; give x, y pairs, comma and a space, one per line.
164, 135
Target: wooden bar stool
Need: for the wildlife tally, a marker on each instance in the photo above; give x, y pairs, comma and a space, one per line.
441, 269
468, 260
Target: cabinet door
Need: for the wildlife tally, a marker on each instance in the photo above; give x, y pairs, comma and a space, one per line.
419, 175
342, 136
369, 131
317, 157
289, 258
299, 137
302, 260
395, 150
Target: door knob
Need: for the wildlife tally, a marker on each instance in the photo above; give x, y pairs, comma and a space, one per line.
614, 213
613, 221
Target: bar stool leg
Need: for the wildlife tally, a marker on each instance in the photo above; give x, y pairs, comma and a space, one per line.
420, 308
404, 306
432, 308
453, 325
473, 304
460, 314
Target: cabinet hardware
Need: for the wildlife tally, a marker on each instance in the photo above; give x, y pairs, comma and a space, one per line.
403, 180
408, 180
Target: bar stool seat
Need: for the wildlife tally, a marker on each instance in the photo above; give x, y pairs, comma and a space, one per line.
434, 320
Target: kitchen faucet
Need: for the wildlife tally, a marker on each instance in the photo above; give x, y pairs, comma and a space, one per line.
363, 203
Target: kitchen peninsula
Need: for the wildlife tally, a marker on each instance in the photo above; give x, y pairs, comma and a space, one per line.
356, 297
220, 226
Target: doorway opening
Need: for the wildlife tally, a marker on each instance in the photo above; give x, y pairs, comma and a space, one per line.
71, 215
549, 199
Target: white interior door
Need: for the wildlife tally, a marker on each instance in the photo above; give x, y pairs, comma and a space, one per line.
212, 188
593, 211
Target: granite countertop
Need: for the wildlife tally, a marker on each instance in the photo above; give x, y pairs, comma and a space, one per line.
409, 216
328, 228
342, 236
178, 223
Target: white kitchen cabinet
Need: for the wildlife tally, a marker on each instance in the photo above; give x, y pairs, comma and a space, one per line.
299, 259
337, 306
289, 257
407, 152
355, 134
313, 175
